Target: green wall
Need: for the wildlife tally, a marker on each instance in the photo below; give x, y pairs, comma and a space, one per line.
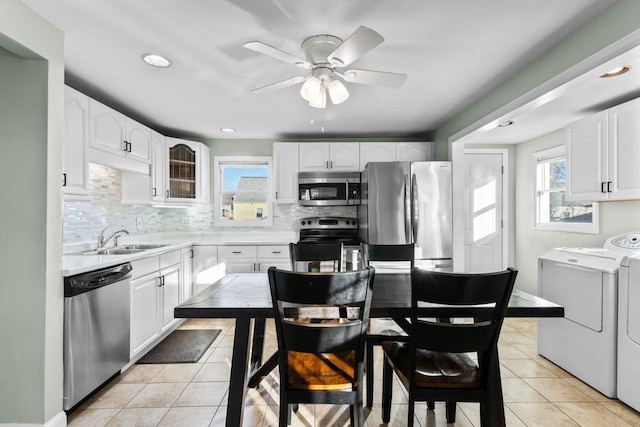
31, 147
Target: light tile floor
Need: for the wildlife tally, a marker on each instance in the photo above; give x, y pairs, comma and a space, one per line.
537, 393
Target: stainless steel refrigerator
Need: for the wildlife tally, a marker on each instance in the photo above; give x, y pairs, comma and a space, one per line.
405, 202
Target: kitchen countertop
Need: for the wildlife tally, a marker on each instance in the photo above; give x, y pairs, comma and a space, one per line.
76, 264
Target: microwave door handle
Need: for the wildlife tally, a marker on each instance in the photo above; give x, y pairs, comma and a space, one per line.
407, 210
415, 208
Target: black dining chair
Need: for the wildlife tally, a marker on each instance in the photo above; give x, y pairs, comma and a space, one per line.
316, 256
321, 356
385, 258
435, 365
305, 257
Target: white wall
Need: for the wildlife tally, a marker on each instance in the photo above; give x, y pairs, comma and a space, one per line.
31, 291
615, 217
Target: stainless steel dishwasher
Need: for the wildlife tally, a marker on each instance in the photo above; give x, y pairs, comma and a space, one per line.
96, 329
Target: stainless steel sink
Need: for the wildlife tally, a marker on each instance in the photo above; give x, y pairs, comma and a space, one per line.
122, 250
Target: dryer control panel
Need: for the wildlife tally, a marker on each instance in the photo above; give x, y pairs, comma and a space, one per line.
624, 241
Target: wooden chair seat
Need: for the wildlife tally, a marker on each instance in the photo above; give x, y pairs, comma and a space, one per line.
328, 371
433, 369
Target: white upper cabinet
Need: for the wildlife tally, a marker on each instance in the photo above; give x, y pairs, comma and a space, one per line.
138, 141
187, 171
624, 151
117, 140
158, 167
285, 165
75, 178
205, 174
394, 152
329, 156
602, 155
107, 129
414, 151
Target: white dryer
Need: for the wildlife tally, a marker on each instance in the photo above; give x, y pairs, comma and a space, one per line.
585, 282
629, 332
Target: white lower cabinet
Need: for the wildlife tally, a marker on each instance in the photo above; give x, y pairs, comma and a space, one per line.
253, 259
155, 292
206, 269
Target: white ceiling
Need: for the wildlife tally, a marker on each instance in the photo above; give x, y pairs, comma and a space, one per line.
453, 52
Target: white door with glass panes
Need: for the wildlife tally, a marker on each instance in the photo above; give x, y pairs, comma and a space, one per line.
181, 170
483, 204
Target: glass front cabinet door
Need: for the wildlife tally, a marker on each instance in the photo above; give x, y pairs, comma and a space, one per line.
182, 173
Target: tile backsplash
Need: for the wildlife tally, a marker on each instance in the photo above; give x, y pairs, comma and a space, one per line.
83, 220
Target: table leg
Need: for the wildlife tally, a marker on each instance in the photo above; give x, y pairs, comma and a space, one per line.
257, 344
239, 369
493, 414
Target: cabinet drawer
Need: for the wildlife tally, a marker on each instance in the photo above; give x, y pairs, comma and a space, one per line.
170, 258
237, 252
273, 252
144, 266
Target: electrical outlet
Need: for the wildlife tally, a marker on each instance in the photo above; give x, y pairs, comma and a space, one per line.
138, 223
186, 221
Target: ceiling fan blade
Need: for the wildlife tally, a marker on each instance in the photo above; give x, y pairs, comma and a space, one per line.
284, 83
357, 44
277, 53
377, 78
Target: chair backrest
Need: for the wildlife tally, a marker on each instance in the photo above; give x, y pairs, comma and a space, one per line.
332, 330
460, 290
313, 256
388, 257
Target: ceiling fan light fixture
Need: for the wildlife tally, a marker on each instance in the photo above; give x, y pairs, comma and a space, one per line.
312, 88
337, 92
319, 101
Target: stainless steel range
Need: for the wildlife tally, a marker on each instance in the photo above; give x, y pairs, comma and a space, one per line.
331, 229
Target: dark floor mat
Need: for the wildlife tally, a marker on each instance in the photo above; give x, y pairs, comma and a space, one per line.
181, 346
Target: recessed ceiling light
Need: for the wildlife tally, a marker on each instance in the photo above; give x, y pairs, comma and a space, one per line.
505, 124
616, 72
156, 60
228, 130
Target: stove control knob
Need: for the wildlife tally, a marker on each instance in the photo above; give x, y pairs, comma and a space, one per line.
303, 223
348, 222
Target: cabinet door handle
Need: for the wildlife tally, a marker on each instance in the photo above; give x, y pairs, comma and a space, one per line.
64, 179
161, 284
153, 192
167, 194
236, 252
609, 187
276, 252
191, 253
602, 187
327, 164
331, 164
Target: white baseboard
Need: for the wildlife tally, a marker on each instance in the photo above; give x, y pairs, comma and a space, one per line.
60, 420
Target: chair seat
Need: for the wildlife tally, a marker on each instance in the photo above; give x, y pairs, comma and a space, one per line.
329, 371
433, 369
384, 327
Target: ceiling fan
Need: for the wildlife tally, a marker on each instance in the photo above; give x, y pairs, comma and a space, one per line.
326, 59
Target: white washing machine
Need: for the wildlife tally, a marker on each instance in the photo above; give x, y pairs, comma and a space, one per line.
629, 332
585, 282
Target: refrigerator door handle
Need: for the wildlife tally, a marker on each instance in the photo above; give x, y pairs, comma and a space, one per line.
407, 210
415, 208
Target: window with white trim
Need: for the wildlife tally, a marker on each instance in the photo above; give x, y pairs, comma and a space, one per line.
552, 211
242, 191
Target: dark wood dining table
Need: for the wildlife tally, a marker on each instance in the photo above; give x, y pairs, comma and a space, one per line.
246, 298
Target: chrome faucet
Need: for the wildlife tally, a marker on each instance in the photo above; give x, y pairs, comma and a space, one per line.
115, 235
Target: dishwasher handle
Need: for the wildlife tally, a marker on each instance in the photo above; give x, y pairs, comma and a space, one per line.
85, 282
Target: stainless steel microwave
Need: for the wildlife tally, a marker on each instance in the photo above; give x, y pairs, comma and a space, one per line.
328, 188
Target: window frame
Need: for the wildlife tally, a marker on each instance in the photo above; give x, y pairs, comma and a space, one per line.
546, 156
258, 161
